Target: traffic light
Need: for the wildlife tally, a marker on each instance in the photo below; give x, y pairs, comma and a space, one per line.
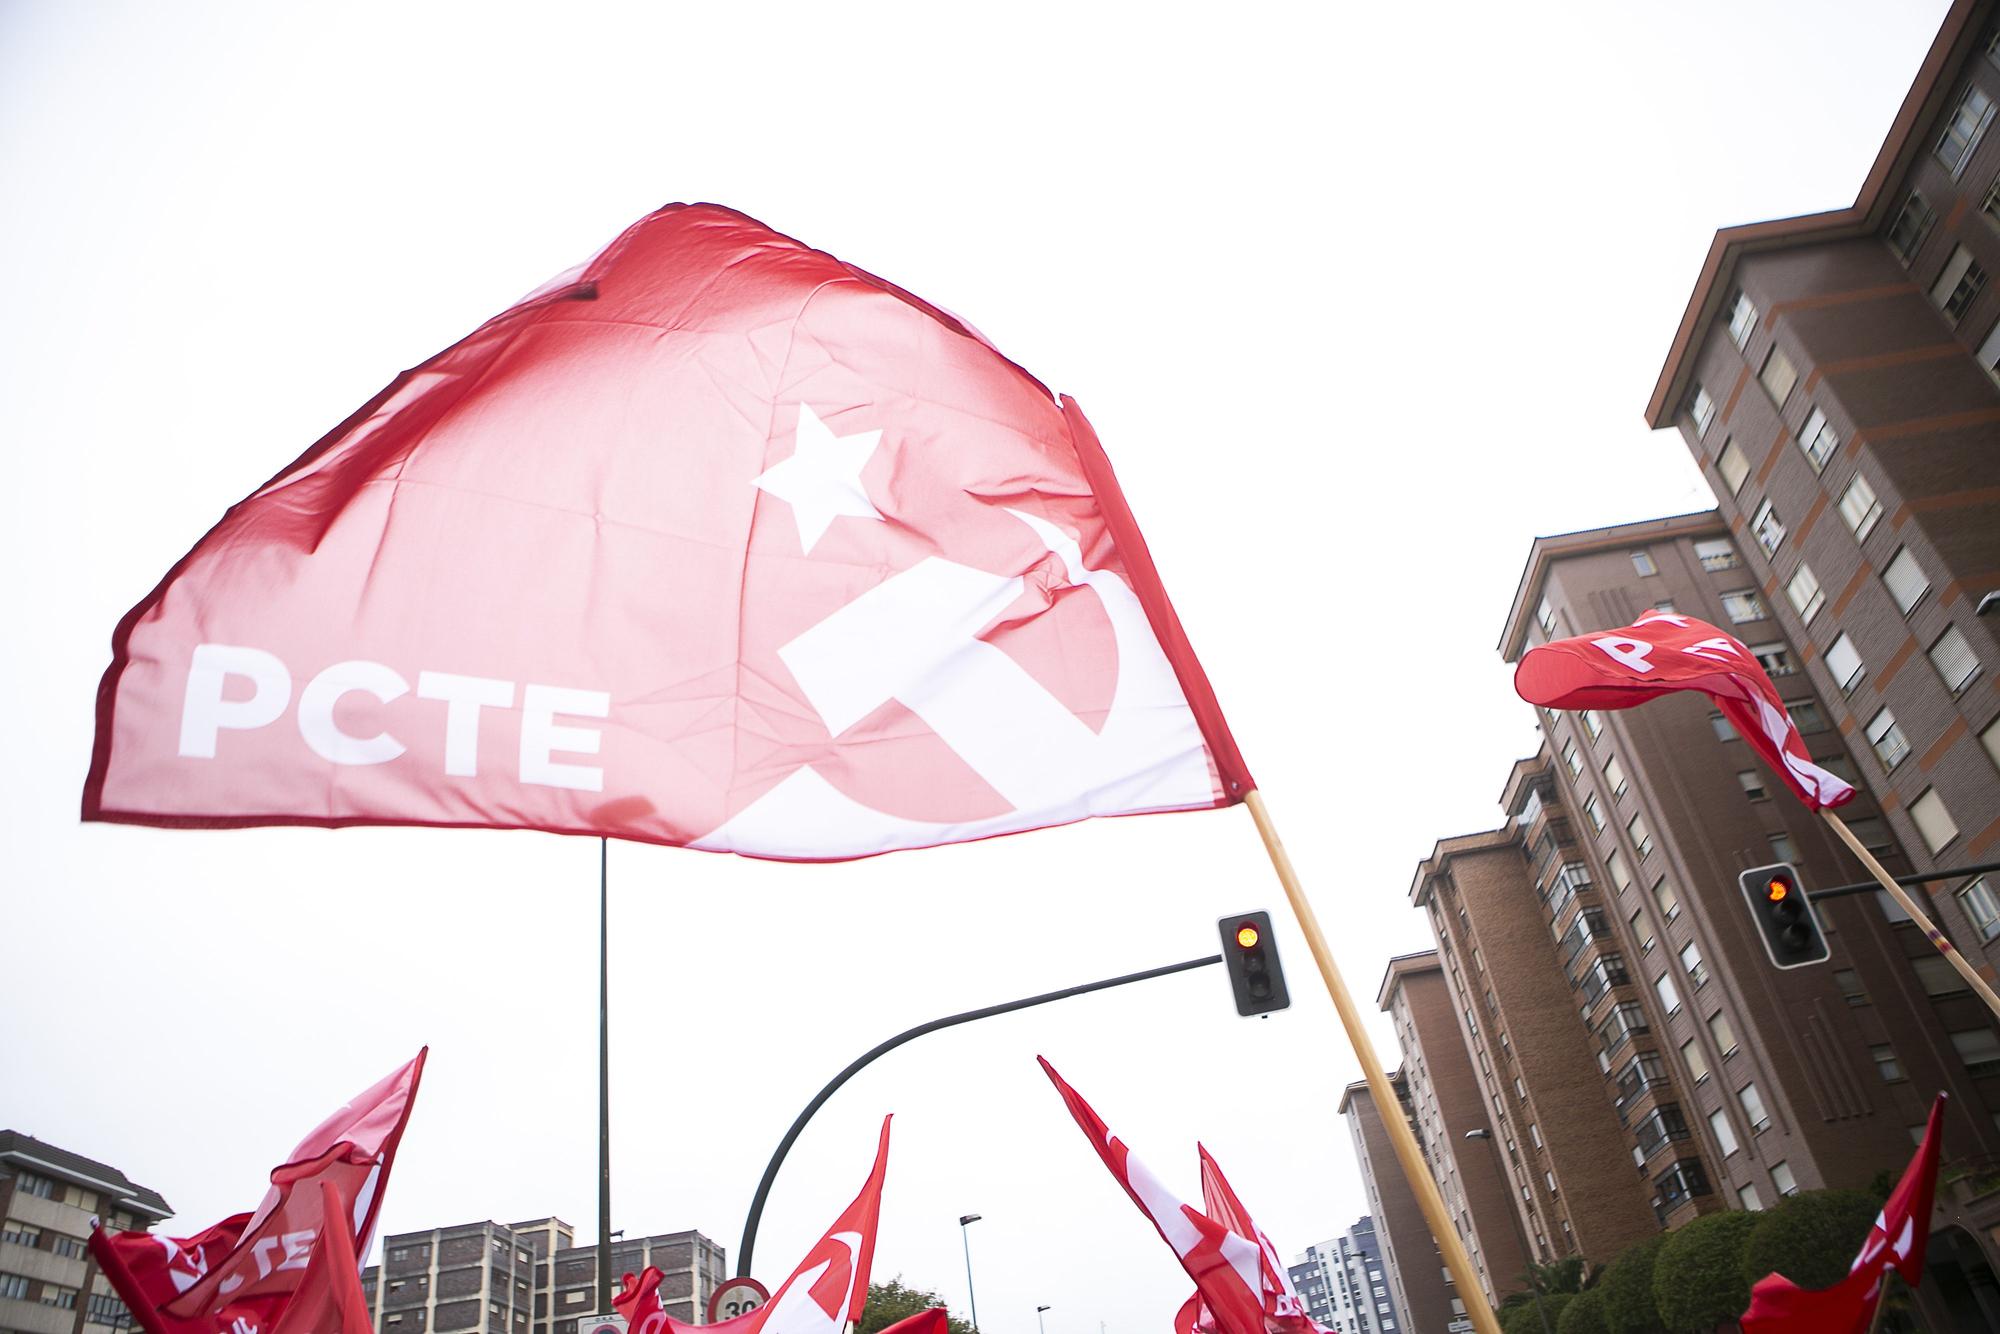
1250, 952
1784, 915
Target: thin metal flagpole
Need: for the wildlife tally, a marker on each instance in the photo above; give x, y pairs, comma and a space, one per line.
1936, 937
606, 1281
1408, 1155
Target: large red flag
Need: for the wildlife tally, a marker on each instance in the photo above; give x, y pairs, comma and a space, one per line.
329, 1298
825, 1292
724, 543
1662, 652
1240, 1286
1897, 1241
239, 1276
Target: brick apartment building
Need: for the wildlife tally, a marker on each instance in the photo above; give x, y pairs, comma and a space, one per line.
1344, 1283
1421, 1291
1447, 1101
525, 1278
49, 1282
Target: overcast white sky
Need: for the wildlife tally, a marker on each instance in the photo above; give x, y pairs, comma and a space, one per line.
1360, 299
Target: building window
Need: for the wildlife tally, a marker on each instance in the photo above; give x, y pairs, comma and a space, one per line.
1593, 723
1670, 996
1742, 320
1959, 285
1642, 837
1806, 715
1724, 729
1961, 134
14, 1286
1715, 553
1614, 775
1804, 592
1912, 225
1818, 440
1859, 507
1989, 737
1768, 529
1701, 410
1724, 1035
1753, 783
1932, 820
1781, 1177
1783, 849
32, 1183
1778, 376
1680, 1183
1746, 1195
1545, 616
1661, 1126
1885, 1063
1593, 812
1982, 908
1725, 1137
1621, 876
1954, 659
1776, 658
1753, 1106
1697, 971
1668, 902
1697, 1064
1891, 746
1642, 561
1906, 580
1843, 662
1850, 986
1743, 605
1979, 1049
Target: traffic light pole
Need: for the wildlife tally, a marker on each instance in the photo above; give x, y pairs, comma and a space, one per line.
745, 1251
1937, 938
1922, 877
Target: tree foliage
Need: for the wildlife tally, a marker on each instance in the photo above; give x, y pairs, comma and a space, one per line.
1523, 1319
1572, 1273
1698, 1278
1628, 1289
1585, 1314
1810, 1237
892, 1301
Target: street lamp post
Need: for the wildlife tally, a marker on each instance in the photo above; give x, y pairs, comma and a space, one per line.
1520, 1233
971, 1298
1039, 1325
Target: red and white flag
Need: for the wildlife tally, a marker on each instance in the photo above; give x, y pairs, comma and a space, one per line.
240, 1276
724, 543
825, 1293
1897, 1241
1662, 652
329, 1298
1240, 1284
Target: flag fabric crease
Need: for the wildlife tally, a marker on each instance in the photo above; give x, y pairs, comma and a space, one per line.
723, 543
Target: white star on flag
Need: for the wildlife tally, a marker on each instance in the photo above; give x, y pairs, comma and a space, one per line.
821, 481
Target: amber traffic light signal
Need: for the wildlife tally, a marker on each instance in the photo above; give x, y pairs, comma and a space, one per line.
1250, 952
1784, 916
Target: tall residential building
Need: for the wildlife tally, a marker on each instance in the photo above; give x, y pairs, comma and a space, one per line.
1344, 1283
1834, 375
49, 1282
1735, 1082
525, 1278
1447, 1101
1420, 1288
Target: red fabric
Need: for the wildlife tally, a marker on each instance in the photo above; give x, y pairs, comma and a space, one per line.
829, 1287
726, 544
239, 1276
1897, 1241
329, 1299
1663, 652
1232, 1269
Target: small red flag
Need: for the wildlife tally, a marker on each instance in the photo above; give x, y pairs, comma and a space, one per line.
1897, 1241
825, 1292
724, 544
239, 1276
1662, 652
1240, 1284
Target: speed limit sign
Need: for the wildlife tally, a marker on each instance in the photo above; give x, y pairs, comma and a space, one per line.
738, 1296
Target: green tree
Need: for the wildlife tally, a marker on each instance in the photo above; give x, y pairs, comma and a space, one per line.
1628, 1289
1810, 1237
892, 1301
1584, 1314
1572, 1273
1522, 1319
1698, 1278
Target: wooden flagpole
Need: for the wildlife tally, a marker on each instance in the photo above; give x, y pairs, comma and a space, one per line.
1917, 915
1408, 1155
